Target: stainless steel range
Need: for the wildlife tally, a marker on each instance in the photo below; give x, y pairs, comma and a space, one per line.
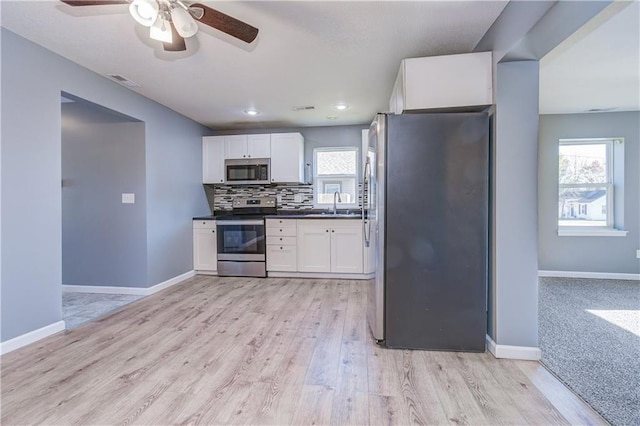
241, 238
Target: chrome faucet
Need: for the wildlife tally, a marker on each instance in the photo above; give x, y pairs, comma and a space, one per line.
335, 211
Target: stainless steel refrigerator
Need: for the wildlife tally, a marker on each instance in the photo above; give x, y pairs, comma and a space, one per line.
426, 216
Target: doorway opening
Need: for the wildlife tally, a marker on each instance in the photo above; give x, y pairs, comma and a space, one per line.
103, 209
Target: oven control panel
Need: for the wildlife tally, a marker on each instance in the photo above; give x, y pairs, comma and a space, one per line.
254, 202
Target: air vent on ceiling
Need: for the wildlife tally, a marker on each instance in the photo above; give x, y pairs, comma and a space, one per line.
303, 108
123, 80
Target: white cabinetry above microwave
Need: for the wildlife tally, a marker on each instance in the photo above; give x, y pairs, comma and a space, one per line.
247, 146
284, 150
441, 82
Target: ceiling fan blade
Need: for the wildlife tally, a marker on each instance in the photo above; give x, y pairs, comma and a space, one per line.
227, 24
93, 2
177, 44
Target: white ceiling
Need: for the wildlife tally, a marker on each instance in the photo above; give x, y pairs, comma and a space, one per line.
598, 68
321, 53
307, 53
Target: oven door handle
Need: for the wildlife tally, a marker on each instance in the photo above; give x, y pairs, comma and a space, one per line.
239, 222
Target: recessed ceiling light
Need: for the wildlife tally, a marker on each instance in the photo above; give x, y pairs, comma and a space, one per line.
341, 106
252, 112
331, 117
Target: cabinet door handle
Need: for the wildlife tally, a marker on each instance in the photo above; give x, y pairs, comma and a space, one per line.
281, 230
221, 180
326, 230
333, 230
280, 248
280, 239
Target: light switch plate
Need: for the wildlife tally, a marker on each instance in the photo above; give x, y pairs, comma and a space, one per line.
638, 254
128, 198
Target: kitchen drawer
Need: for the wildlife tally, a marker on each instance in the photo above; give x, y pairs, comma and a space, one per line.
281, 240
281, 258
281, 231
204, 224
281, 223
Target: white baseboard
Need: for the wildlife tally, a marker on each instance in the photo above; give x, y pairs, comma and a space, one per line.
528, 353
31, 337
321, 275
203, 272
170, 282
596, 275
139, 291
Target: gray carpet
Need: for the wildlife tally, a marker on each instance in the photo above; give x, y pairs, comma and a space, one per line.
79, 308
590, 338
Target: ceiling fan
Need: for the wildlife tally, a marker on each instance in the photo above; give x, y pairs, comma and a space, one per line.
171, 21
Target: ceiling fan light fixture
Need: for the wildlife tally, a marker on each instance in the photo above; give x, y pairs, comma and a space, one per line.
145, 12
196, 12
185, 25
161, 31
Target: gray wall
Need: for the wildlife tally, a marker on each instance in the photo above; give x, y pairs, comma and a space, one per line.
589, 254
32, 80
514, 317
103, 155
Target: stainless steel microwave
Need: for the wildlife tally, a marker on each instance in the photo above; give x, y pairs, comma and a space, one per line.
250, 171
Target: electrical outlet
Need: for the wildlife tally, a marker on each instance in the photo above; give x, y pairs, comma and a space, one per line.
128, 198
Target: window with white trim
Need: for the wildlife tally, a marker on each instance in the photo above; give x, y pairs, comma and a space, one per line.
586, 187
335, 170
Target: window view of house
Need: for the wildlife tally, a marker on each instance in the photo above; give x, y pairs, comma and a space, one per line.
585, 196
335, 171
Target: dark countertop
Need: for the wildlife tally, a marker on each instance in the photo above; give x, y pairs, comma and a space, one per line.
210, 217
297, 214
314, 216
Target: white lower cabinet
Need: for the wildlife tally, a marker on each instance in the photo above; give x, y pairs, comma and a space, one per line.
314, 245
346, 248
281, 258
330, 245
205, 246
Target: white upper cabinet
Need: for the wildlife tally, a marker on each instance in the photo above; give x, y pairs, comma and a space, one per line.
247, 146
213, 159
449, 81
259, 146
287, 157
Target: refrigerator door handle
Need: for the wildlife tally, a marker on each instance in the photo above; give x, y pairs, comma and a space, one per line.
366, 225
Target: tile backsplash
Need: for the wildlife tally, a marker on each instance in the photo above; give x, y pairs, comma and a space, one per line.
220, 197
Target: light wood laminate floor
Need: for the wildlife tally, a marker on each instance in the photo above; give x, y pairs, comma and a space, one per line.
266, 351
